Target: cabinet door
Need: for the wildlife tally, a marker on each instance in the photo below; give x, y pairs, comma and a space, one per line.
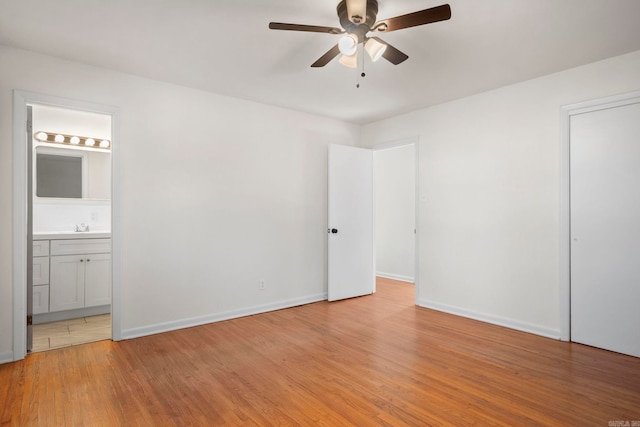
66, 286
97, 285
40, 248
40, 270
40, 299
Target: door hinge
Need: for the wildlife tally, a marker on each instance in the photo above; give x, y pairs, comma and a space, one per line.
29, 320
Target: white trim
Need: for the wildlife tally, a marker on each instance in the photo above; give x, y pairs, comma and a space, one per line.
490, 318
395, 144
116, 232
395, 277
19, 252
218, 317
415, 141
6, 357
566, 112
565, 229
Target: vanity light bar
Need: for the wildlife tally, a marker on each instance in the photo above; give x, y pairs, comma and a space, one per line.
74, 140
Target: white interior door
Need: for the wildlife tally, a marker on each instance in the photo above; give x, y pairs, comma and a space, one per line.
605, 228
351, 248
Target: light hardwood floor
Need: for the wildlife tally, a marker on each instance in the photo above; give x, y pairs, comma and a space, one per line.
70, 332
374, 360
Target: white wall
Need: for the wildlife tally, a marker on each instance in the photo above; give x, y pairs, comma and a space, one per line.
489, 202
216, 194
395, 190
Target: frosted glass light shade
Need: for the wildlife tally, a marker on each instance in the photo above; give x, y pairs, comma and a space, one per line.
348, 45
349, 61
375, 49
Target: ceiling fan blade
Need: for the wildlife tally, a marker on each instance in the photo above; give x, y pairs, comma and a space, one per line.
327, 57
422, 17
300, 27
357, 11
391, 54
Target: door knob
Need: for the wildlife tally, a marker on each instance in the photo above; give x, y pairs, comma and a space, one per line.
334, 231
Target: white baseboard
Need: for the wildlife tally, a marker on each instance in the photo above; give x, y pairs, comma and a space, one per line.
6, 357
218, 317
395, 277
490, 318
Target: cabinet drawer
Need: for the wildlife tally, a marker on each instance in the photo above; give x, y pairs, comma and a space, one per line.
41, 270
80, 246
40, 299
40, 248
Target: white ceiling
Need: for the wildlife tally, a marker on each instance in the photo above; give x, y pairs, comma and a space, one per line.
225, 46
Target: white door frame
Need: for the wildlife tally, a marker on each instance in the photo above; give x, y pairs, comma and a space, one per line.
19, 253
565, 197
415, 141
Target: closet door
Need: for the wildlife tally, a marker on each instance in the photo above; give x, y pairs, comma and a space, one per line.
605, 228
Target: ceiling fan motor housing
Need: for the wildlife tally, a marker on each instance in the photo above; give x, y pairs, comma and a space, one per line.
359, 30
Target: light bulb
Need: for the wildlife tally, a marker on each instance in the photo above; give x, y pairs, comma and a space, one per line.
59, 138
42, 136
348, 45
104, 143
90, 142
74, 140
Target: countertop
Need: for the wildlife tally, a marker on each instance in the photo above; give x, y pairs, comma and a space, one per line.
47, 235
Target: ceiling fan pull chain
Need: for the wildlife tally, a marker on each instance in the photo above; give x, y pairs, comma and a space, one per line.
362, 74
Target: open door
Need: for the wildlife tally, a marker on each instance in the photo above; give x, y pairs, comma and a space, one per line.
29, 320
350, 220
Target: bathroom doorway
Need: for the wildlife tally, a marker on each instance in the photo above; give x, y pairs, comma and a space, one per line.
70, 286
395, 211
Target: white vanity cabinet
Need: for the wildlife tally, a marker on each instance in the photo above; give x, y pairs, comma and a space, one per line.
80, 274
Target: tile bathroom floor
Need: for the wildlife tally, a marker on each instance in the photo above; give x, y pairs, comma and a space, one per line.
65, 333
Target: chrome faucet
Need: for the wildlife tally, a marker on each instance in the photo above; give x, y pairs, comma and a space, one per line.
82, 227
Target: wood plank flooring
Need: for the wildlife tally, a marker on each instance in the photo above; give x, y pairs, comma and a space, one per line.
374, 360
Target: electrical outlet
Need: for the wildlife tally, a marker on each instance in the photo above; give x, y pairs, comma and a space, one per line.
261, 284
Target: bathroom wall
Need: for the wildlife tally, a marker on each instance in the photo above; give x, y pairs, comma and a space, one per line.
55, 216
50, 214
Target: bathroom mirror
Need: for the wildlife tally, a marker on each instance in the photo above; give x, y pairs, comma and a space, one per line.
72, 174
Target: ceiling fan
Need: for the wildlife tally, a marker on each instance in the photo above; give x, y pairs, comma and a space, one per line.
358, 18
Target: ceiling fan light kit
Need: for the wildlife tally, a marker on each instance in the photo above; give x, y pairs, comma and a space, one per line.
375, 49
348, 45
358, 18
350, 61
